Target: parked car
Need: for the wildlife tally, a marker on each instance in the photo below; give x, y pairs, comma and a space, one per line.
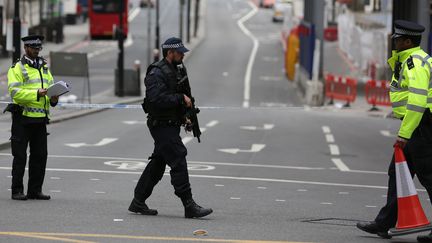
266, 3
279, 9
147, 3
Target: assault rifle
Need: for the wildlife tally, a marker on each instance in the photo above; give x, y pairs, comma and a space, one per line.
190, 113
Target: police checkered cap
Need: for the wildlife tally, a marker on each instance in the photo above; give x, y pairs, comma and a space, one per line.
33, 40
174, 43
407, 28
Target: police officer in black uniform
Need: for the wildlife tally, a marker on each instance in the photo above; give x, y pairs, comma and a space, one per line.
417, 149
165, 106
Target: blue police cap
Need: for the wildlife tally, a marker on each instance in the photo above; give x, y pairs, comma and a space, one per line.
174, 43
407, 28
33, 40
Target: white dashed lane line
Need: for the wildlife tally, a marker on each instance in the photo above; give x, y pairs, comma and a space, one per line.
334, 149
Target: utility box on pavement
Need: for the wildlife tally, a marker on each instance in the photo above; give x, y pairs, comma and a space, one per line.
131, 83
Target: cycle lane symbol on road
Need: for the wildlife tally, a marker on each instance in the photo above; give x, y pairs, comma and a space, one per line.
140, 165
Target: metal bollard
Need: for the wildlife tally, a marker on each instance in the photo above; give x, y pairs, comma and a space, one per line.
137, 67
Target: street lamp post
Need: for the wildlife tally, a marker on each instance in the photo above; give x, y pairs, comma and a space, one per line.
16, 33
157, 42
188, 21
120, 62
181, 19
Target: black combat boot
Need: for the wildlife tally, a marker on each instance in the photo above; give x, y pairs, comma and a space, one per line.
38, 196
193, 210
141, 208
425, 238
373, 228
19, 196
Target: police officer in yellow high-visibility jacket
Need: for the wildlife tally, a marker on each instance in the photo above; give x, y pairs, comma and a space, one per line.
411, 98
28, 80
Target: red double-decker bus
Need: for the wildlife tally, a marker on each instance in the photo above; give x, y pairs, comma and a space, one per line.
104, 17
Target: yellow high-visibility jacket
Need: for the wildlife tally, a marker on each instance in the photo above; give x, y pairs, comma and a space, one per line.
24, 80
410, 88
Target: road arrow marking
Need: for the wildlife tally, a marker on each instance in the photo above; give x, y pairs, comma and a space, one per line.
102, 142
255, 148
253, 128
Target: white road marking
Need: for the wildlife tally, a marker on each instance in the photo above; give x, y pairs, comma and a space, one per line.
223, 178
248, 74
386, 133
253, 128
330, 138
343, 193
340, 164
55, 178
254, 149
219, 185
187, 139
370, 206
103, 142
118, 220
134, 122
94, 179
334, 149
234, 198
326, 129
225, 74
133, 14
270, 78
55, 191
262, 187
189, 162
212, 123
99, 192
280, 200
326, 203
302, 190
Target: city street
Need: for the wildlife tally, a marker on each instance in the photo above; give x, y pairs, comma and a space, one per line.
272, 169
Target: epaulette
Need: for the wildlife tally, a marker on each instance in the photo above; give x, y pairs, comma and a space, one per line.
13, 64
410, 63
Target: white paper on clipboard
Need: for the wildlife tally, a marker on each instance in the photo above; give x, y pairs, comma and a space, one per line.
58, 88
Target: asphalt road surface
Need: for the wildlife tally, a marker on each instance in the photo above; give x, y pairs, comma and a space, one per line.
272, 169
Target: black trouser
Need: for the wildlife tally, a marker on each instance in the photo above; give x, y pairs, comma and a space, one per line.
36, 136
418, 154
169, 150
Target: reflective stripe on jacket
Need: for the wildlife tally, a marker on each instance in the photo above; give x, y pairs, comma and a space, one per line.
410, 89
23, 84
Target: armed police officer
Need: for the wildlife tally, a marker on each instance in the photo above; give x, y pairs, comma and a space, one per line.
411, 97
28, 80
166, 105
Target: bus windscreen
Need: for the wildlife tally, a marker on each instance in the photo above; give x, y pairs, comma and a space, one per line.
106, 6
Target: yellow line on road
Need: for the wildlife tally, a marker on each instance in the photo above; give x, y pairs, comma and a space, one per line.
45, 237
132, 237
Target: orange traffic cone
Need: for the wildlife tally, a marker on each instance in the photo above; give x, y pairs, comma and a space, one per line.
411, 217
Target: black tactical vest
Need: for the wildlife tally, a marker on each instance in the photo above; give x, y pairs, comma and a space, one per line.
158, 113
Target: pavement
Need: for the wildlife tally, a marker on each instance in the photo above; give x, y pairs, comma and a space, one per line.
75, 35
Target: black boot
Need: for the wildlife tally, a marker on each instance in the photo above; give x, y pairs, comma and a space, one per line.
193, 210
19, 196
373, 228
141, 208
425, 238
38, 196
